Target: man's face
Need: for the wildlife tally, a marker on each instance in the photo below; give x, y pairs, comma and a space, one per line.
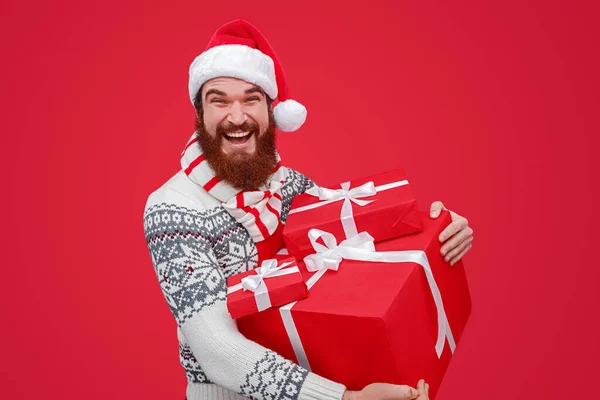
236, 132
237, 111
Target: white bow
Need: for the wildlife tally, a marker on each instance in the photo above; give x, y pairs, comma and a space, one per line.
366, 190
256, 283
268, 268
330, 255
349, 195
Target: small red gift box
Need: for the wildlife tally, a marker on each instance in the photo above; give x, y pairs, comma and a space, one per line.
394, 318
274, 283
382, 205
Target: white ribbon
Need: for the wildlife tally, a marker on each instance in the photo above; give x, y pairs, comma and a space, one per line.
256, 283
349, 196
362, 248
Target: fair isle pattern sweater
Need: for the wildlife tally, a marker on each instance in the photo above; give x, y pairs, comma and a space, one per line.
195, 245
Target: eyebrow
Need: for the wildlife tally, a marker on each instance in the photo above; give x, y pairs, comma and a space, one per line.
255, 89
214, 91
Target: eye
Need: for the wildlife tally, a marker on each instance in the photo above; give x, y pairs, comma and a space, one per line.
253, 98
220, 101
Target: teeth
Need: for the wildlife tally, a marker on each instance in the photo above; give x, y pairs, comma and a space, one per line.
238, 134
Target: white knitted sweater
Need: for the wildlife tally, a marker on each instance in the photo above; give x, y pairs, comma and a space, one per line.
195, 245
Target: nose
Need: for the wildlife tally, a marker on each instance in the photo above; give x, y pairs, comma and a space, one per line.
237, 116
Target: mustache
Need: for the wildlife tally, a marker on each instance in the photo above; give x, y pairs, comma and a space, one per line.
230, 128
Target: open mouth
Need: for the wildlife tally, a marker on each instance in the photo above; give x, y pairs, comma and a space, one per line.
238, 138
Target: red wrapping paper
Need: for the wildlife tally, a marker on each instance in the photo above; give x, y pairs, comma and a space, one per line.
282, 290
374, 322
393, 213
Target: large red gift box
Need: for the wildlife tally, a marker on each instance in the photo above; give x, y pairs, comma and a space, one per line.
382, 205
281, 283
374, 321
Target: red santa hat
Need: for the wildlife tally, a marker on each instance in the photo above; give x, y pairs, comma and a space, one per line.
239, 50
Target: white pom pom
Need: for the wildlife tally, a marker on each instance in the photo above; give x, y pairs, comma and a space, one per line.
289, 115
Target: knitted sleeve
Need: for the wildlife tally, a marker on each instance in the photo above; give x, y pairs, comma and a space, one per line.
298, 184
195, 290
304, 181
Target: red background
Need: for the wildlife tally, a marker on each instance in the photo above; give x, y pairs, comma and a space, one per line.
490, 108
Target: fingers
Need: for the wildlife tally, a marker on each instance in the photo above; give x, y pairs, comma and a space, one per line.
461, 254
387, 391
451, 247
458, 249
421, 388
436, 209
405, 392
455, 226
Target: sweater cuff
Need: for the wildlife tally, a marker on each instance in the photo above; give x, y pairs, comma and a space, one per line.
316, 387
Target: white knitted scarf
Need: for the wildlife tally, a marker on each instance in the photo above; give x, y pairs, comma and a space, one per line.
258, 211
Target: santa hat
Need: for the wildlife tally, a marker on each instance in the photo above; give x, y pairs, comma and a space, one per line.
239, 50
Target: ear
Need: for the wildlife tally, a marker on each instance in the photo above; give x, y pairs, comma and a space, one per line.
198, 104
198, 100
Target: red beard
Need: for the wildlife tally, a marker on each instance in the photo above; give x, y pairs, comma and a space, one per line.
242, 171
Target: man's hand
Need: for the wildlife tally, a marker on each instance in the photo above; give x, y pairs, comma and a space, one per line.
386, 391
423, 389
457, 237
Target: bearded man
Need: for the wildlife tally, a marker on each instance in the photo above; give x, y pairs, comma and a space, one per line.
223, 213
